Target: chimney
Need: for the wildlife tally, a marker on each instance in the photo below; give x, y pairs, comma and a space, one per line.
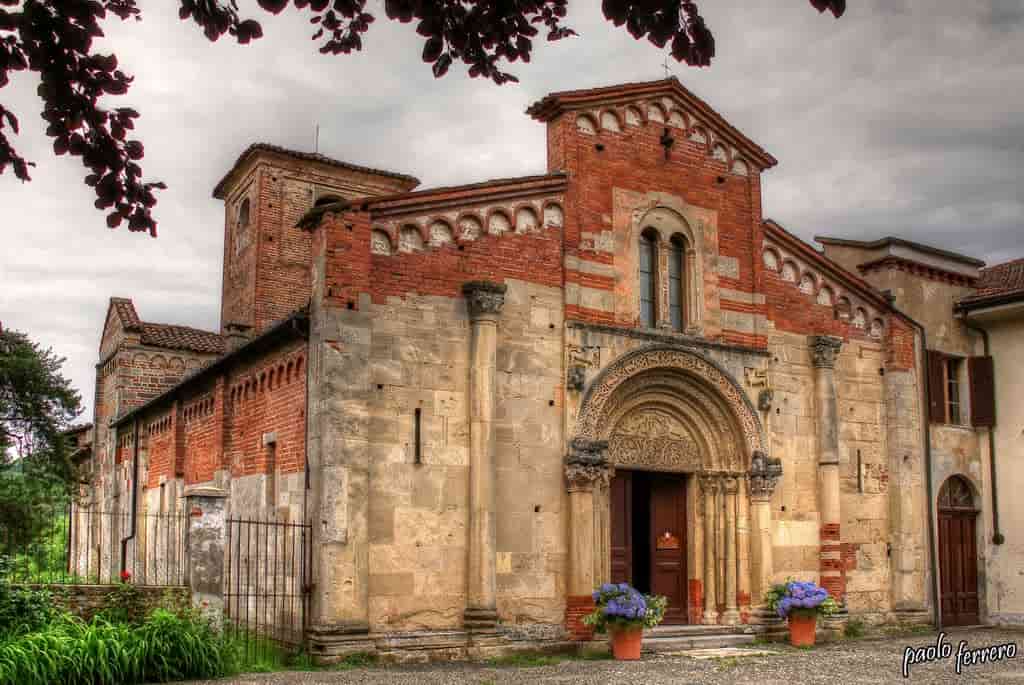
237, 334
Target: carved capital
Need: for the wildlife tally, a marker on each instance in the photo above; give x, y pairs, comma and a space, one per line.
824, 350
576, 379
710, 483
764, 475
587, 465
731, 485
582, 477
484, 298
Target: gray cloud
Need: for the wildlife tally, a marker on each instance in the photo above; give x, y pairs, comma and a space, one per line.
903, 118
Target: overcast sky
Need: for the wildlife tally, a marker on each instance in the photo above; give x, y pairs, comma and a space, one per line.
905, 117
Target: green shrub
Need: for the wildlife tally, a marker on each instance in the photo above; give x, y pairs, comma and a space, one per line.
69, 651
23, 610
853, 629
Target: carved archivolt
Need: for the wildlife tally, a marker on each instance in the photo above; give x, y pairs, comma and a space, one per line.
661, 394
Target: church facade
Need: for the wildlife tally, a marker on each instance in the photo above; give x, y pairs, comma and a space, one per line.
488, 399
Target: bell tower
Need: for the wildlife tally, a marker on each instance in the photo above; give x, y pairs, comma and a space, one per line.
267, 259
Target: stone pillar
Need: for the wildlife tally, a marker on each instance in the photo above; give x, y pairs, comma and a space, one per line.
764, 474
743, 549
824, 350
484, 300
205, 547
709, 486
587, 474
731, 489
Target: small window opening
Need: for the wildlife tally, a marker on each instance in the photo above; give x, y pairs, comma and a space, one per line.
418, 448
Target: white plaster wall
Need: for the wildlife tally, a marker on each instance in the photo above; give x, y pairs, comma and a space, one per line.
1006, 561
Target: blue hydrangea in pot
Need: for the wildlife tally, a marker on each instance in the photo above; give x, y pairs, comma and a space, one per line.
623, 612
801, 603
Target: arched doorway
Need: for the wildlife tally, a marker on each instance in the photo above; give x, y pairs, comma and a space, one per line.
679, 435
958, 556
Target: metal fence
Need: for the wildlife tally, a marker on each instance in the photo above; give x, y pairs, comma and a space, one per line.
74, 545
266, 585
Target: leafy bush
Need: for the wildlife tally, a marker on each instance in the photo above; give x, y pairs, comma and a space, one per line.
23, 610
165, 647
853, 629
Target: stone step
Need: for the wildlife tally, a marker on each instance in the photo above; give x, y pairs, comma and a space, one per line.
662, 645
689, 630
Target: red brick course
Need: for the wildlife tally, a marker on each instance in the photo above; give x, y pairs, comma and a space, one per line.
576, 607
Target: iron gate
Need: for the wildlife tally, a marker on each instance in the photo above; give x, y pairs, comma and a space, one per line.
266, 585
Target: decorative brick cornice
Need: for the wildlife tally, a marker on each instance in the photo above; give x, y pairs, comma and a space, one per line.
912, 267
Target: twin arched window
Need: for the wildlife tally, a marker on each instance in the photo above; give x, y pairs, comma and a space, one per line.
648, 279
650, 275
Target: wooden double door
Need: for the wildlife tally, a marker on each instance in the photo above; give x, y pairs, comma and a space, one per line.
648, 546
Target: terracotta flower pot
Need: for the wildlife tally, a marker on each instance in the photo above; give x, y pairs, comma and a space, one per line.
626, 643
801, 629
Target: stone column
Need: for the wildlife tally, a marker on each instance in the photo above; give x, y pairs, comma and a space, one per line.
484, 300
709, 486
743, 549
824, 350
587, 474
764, 474
205, 547
731, 489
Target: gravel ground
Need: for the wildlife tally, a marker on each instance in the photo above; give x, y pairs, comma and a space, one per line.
852, 661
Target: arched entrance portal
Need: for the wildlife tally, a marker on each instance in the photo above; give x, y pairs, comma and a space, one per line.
677, 435
958, 556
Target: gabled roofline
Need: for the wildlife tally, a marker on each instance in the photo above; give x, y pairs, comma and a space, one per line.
852, 281
402, 203
892, 240
555, 104
219, 189
295, 326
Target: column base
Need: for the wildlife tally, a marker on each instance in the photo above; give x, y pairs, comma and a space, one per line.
477, 619
710, 618
330, 644
731, 617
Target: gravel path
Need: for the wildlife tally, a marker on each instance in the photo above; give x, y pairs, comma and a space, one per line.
853, 661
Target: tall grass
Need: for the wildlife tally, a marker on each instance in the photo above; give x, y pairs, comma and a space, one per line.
69, 651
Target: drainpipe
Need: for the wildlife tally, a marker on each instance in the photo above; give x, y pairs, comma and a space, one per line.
997, 537
135, 495
930, 487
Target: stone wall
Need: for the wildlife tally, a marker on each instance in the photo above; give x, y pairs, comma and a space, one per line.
85, 601
417, 360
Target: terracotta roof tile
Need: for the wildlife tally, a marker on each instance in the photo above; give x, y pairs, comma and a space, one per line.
182, 338
126, 312
1001, 280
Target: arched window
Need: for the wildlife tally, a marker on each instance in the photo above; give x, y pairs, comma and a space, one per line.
677, 283
648, 284
243, 213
